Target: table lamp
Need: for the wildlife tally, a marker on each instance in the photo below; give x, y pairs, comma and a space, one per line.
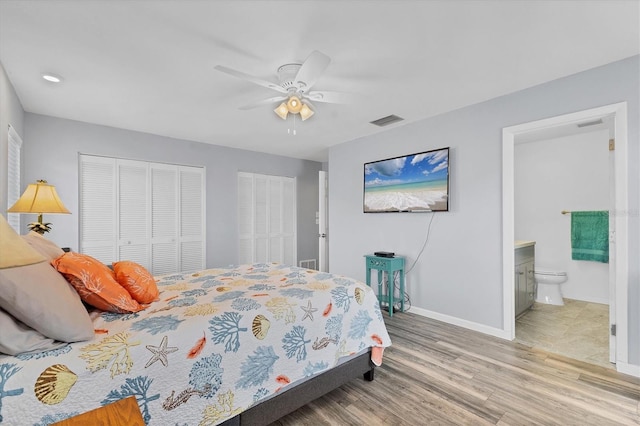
39, 198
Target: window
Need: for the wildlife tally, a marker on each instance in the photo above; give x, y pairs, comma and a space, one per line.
13, 177
266, 218
150, 213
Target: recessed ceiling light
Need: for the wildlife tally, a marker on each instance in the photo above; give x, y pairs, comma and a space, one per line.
52, 78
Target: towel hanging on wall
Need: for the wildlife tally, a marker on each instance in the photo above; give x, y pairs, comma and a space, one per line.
590, 236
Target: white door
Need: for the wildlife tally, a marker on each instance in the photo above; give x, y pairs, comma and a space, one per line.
323, 252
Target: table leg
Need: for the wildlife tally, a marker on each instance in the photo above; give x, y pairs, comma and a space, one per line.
390, 290
402, 290
380, 293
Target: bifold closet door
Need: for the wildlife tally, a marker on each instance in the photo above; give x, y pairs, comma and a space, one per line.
266, 219
98, 203
133, 212
149, 213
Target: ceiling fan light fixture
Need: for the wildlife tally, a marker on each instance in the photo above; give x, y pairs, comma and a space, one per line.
282, 111
294, 105
306, 112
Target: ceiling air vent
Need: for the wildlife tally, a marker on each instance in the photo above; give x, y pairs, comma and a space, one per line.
590, 123
385, 121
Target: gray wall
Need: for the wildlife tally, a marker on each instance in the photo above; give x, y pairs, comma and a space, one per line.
11, 112
51, 148
460, 271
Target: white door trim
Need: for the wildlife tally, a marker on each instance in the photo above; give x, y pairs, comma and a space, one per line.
619, 113
323, 246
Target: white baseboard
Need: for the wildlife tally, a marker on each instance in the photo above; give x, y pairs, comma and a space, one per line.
588, 299
481, 328
630, 369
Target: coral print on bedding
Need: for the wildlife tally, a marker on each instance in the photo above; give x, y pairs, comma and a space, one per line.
215, 343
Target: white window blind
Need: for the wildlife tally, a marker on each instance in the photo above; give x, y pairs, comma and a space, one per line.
13, 176
266, 218
153, 213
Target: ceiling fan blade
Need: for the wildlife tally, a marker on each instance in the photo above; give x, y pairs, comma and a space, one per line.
332, 97
255, 80
311, 70
263, 102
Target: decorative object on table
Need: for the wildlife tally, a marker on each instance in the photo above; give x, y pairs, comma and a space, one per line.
39, 198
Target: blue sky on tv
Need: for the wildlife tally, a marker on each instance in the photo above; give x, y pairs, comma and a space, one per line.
424, 167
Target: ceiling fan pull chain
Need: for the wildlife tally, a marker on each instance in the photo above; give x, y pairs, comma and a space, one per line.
294, 126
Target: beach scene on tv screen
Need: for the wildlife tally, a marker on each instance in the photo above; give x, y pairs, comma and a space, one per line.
416, 182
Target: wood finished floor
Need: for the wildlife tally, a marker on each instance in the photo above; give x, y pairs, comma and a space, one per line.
440, 374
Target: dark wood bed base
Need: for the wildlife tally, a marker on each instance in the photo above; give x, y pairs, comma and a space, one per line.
302, 394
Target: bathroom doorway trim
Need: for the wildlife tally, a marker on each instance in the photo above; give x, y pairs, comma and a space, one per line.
619, 279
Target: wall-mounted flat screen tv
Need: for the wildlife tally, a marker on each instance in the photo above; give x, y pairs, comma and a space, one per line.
412, 183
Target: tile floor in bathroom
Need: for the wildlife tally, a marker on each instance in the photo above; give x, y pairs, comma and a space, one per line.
578, 330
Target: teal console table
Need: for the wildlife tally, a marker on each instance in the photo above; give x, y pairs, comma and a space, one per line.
389, 265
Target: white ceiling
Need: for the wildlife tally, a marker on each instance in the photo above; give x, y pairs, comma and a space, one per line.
149, 65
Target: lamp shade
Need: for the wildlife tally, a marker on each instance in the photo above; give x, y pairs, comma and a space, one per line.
282, 111
39, 198
294, 105
305, 112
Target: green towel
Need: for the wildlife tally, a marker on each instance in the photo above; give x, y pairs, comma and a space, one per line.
590, 236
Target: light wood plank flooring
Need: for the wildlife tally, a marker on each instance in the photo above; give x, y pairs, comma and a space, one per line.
440, 374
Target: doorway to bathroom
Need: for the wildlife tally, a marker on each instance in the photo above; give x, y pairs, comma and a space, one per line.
605, 294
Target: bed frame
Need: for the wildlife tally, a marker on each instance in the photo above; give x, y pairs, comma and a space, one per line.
290, 400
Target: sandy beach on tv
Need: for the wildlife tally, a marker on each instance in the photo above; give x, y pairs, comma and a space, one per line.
395, 198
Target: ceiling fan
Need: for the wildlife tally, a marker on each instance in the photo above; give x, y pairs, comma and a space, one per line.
295, 82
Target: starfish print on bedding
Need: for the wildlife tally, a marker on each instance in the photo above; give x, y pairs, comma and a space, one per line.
308, 311
160, 352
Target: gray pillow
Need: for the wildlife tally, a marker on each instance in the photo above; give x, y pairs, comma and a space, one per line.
41, 298
42, 245
17, 338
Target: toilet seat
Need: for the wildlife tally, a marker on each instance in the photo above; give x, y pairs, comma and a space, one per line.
550, 273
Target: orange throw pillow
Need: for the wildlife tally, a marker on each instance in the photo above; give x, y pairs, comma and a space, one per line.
136, 280
95, 283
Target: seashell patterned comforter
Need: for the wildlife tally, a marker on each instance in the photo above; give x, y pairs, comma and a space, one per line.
214, 344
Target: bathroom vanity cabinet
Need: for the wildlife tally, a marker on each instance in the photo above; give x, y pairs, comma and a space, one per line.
525, 284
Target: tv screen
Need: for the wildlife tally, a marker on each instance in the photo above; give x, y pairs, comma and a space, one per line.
412, 183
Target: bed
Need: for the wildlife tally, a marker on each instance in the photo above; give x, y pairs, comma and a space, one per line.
237, 345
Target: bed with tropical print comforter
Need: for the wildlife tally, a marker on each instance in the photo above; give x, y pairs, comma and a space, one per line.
216, 343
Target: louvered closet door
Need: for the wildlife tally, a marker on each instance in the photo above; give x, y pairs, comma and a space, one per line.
98, 208
275, 220
134, 211
261, 219
164, 219
192, 224
149, 213
245, 218
266, 219
288, 234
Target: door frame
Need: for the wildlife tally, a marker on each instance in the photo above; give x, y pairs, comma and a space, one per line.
619, 288
323, 221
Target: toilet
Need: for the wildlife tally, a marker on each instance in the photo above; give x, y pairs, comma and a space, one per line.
548, 283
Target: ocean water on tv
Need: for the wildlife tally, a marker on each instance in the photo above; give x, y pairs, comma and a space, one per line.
409, 187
